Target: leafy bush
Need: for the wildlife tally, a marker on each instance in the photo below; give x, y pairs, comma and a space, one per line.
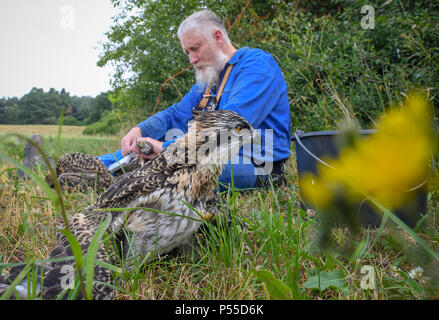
333, 67
71, 121
109, 124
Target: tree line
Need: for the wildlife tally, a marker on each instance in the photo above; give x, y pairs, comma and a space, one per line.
39, 107
334, 66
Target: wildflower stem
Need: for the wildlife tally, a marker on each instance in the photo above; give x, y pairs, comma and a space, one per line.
399, 222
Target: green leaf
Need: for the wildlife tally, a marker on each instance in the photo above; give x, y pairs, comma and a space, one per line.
276, 288
293, 283
327, 279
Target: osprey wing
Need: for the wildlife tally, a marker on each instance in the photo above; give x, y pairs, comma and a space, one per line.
146, 179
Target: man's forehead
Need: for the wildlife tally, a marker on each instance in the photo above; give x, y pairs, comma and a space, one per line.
192, 37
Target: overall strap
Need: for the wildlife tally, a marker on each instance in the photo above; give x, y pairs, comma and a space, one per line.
205, 100
223, 83
207, 95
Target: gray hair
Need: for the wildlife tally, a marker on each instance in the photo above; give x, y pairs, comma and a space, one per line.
204, 22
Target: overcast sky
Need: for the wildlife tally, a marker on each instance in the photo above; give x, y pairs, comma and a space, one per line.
53, 44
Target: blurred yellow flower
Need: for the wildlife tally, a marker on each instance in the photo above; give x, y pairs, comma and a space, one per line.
383, 166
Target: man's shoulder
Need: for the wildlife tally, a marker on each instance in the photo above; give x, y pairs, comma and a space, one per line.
254, 52
255, 56
257, 52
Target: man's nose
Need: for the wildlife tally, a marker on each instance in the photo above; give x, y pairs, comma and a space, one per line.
193, 58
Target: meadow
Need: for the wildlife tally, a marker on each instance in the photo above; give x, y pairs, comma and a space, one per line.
335, 69
269, 251
46, 130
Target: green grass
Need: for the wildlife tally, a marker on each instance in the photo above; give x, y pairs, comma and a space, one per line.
268, 249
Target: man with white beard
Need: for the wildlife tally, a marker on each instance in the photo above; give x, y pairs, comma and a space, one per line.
247, 81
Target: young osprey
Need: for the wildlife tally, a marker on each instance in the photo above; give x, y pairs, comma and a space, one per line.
80, 170
186, 172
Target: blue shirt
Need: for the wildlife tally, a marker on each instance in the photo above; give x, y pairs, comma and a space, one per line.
255, 89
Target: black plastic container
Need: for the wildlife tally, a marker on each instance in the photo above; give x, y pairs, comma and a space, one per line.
312, 146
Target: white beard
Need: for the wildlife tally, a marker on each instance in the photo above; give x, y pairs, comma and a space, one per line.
209, 76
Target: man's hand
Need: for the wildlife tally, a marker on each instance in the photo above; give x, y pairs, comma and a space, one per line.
128, 143
157, 147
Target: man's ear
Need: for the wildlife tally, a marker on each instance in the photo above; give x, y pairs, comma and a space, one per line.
219, 38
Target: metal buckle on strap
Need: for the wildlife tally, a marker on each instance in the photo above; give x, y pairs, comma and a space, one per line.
203, 103
212, 106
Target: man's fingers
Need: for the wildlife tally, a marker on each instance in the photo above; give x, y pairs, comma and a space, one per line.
129, 146
128, 143
154, 144
144, 156
126, 148
134, 148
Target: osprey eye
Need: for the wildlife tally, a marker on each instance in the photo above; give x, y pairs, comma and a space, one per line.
238, 129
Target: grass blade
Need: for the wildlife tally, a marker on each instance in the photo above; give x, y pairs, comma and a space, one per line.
16, 281
92, 251
152, 210
55, 197
40, 181
76, 248
109, 266
58, 138
77, 254
407, 229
